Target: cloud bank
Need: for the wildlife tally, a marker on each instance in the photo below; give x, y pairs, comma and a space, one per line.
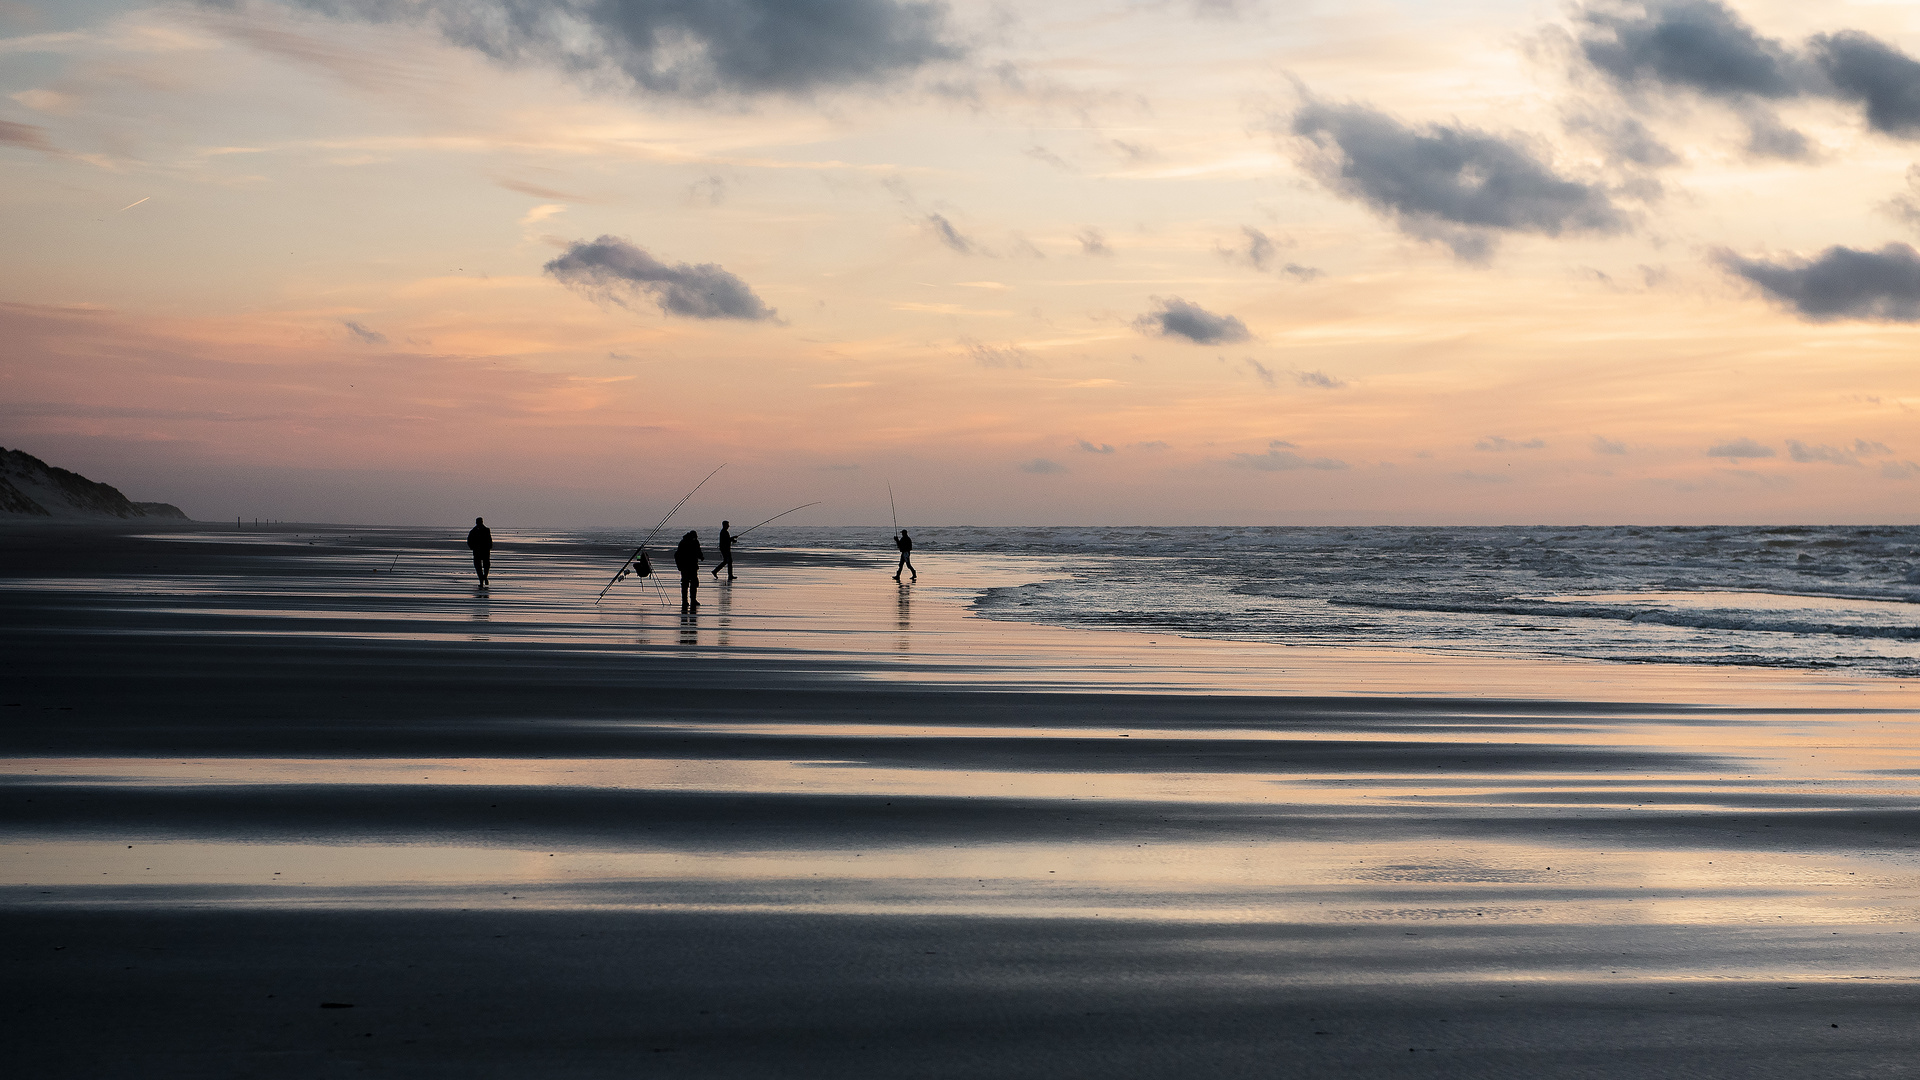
689, 48
611, 270
1704, 49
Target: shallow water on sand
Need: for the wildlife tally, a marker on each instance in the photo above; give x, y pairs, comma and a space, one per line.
1352, 786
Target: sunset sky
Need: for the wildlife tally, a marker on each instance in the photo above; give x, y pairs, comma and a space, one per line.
1092, 261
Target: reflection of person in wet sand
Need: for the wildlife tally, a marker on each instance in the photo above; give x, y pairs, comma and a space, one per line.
726, 551
905, 544
687, 558
480, 539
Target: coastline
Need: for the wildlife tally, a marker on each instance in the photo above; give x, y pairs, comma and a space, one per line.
836, 827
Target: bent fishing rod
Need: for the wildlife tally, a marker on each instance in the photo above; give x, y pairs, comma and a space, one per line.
622, 572
776, 517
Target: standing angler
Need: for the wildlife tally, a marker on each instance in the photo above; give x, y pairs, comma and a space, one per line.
480, 539
686, 558
726, 551
905, 544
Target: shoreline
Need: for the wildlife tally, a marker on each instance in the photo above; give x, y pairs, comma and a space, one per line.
832, 826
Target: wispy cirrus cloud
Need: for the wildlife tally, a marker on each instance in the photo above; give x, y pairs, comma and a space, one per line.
1499, 443
26, 136
945, 232
1280, 456
366, 336
1835, 455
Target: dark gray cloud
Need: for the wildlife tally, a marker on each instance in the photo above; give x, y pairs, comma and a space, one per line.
1175, 317
611, 270
370, 337
1604, 445
1868, 71
1041, 466
1742, 447
1319, 380
1704, 48
1260, 370
1699, 45
1093, 242
1086, 447
689, 48
1455, 185
1842, 283
943, 231
27, 136
1280, 457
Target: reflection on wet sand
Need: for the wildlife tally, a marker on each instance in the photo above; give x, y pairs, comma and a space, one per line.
905, 621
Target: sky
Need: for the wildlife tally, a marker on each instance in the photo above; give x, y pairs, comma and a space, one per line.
1090, 262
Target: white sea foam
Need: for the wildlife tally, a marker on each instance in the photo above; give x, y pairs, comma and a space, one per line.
1815, 597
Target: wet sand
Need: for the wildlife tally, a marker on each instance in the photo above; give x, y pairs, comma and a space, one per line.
832, 826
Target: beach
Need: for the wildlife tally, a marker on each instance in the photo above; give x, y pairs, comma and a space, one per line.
304, 802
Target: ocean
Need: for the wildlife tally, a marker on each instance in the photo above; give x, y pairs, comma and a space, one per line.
1816, 597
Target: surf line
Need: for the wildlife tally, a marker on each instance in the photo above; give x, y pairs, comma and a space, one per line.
624, 563
777, 517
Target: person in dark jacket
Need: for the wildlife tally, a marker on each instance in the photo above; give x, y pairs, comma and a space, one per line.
480, 539
687, 558
905, 544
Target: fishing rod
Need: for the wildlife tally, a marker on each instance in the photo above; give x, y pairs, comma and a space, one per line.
776, 517
622, 572
892, 507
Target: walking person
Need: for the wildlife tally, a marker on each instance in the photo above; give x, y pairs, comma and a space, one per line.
905, 544
480, 539
726, 551
687, 557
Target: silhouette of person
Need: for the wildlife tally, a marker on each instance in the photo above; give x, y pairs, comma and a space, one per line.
687, 557
905, 544
480, 539
726, 551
